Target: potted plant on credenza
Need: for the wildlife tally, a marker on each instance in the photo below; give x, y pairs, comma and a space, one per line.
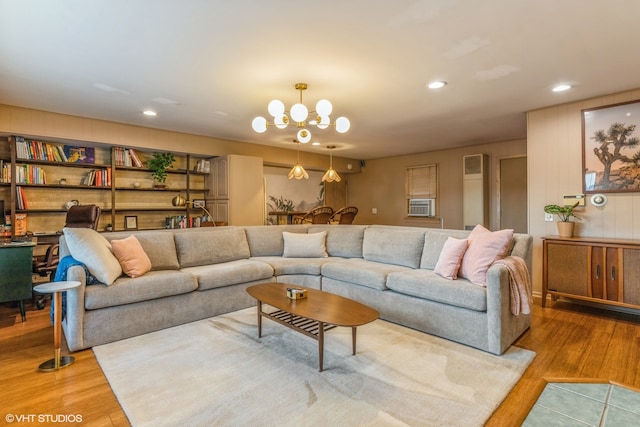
565, 213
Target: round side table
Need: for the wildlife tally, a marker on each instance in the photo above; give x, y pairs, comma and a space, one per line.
56, 288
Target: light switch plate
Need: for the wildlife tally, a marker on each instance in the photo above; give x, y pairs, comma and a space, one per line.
548, 217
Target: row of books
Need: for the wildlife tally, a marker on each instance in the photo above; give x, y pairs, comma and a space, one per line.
5, 172
97, 178
38, 150
203, 166
126, 157
21, 201
182, 221
25, 174
30, 174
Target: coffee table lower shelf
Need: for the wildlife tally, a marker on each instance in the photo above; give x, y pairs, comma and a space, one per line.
309, 327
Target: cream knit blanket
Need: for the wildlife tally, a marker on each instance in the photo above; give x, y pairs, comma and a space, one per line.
519, 284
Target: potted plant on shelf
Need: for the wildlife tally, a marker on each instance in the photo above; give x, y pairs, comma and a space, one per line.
158, 164
565, 213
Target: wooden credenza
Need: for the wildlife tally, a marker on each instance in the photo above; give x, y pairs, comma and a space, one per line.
605, 271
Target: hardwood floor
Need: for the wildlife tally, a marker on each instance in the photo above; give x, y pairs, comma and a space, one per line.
571, 341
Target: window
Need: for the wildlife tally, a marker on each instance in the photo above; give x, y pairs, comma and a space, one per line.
422, 182
422, 190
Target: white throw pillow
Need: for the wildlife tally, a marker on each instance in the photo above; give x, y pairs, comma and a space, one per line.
303, 245
94, 251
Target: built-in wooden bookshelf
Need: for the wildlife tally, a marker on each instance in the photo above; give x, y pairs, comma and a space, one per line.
42, 178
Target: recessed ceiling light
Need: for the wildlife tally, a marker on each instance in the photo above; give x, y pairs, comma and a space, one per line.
315, 143
149, 113
437, 85
561, 88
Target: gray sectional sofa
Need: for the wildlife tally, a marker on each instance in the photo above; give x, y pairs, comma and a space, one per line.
199, 273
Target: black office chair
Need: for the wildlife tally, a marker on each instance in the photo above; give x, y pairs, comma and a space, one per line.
80, 216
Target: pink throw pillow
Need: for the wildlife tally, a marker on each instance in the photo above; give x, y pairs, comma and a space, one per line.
485, 247
450, 258
131, 256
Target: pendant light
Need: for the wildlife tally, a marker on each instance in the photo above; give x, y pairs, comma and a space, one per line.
298, 171
331, 175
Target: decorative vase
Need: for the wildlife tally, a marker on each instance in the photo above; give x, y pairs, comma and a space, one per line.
565, 228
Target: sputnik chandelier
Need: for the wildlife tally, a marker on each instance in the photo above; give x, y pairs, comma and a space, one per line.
301, 117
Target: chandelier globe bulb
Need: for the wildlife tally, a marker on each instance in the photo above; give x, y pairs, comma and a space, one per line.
304, 136
323, 122
342, 124
276, 108
299, 112
259, 124
324, 107
281, 121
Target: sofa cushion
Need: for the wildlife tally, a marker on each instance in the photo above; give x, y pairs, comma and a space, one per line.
282, 266
127, 290
343, 240
211, 246
434, 241
301, 245
157, 244
268, 241
485, 247
229, 273
451, 258
132, 258
393, 246
428, 285
361, 272
93, 250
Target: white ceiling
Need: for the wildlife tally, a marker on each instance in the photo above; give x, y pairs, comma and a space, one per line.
209, 66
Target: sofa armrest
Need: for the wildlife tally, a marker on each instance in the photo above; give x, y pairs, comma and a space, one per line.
73, 321
503, 327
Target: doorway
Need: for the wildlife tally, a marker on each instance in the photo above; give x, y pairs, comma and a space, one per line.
512, 197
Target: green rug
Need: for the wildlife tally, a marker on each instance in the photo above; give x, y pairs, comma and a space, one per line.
218, 372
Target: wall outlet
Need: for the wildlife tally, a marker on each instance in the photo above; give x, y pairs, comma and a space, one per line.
548, 217
374, 211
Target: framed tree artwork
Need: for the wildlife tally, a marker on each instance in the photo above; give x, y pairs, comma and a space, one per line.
611, 148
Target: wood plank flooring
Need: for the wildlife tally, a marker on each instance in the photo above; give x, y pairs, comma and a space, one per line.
571, 341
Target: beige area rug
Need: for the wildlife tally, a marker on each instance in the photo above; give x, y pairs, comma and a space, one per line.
218, 372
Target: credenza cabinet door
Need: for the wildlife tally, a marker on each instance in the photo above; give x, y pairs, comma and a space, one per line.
631, 276
567, 269
598, 270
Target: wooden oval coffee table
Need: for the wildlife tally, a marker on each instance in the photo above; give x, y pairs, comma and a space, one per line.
313, 315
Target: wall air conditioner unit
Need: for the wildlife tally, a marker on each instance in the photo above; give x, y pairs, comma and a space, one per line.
475, 190
422, 207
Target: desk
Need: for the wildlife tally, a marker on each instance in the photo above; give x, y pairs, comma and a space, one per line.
288, 214
15, 272
56, 289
